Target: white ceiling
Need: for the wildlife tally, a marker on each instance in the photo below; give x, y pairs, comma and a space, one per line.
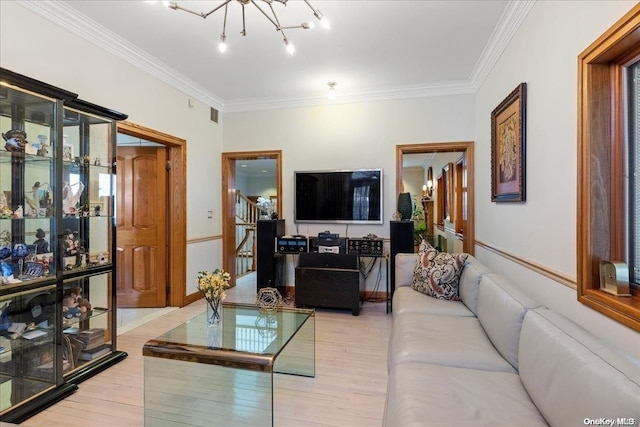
374, 50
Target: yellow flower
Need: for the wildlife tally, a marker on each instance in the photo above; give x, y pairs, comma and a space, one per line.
212, 285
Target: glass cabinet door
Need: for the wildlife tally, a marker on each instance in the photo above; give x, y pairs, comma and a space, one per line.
87, 317
27, 209
27, 345
87, 192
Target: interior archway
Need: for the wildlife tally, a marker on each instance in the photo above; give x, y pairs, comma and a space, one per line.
466, 147
229, 197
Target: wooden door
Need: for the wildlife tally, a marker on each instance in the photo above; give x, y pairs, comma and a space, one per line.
141, 202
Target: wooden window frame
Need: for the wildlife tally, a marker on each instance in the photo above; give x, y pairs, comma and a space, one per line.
460, 196
602, 137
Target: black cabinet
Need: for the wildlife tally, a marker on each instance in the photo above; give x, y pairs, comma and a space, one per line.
329, 280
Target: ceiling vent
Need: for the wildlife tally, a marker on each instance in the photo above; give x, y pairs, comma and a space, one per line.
214, 115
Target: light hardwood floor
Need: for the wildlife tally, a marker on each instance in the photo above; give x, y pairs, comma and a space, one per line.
348, 389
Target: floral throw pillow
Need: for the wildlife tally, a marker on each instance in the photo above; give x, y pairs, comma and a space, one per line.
438, 274
426, 254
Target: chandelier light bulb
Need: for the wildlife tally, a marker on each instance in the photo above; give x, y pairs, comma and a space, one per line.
289, 46
325, 23
222, 46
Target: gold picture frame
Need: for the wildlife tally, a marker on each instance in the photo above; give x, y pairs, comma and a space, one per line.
508, 137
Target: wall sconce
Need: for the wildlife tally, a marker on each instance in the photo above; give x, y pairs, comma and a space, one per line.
427, 189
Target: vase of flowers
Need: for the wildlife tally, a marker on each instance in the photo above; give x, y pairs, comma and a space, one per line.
212, 286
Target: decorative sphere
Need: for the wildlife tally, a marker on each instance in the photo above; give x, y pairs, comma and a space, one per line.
268, 299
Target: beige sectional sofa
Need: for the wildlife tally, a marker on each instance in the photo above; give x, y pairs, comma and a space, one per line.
499, 358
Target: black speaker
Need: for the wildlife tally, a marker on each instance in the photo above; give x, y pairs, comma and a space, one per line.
269, 264
401, 237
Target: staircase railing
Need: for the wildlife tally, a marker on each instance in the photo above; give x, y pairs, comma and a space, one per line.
246, 218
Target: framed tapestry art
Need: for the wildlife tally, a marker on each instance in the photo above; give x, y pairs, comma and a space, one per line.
508, 132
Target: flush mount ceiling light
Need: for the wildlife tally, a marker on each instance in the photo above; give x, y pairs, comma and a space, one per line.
332, 90
273, 18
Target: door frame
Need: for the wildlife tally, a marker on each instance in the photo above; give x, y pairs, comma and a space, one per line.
176, 206
468, 208
228, 200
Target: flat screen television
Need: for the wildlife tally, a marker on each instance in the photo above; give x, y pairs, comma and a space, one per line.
338, 196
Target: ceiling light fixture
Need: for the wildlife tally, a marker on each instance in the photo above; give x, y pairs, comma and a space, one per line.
332, 90
222, 46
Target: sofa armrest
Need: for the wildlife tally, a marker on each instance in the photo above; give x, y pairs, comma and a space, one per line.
405, 264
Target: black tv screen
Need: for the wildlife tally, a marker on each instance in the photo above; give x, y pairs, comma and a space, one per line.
338, 196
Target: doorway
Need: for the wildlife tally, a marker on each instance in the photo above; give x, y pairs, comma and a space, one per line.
151, 252
466, 171
230, 183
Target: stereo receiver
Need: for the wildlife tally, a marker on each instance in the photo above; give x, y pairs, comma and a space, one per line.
372, 247
291, 244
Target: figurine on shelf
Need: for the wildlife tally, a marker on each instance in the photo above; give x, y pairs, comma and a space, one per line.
44, 150
73, 299
16, 140
70, 199
70, 307
5, 212
33, 200
97, 162
42, 246
70, 243
18, 213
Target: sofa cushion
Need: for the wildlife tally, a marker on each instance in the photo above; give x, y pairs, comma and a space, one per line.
470, 281
501, 309
438, 275
429, 395
571, 375
405, 265
408, 300
443, 340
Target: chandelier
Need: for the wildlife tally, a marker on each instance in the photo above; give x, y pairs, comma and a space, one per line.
272, 17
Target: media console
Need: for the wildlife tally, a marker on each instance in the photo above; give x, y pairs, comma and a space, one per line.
329, 280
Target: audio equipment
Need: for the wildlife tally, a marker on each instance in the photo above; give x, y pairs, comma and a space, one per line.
373, 247
269, 264
315, 243
328, 235
292, 244
328, 249
401, 242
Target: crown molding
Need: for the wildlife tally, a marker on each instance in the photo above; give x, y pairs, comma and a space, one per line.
70, 19
511, 19
440, 89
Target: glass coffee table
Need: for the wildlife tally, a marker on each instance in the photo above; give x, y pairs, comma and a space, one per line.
199, 375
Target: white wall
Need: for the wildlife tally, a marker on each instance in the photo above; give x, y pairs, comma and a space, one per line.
544, 54
413, 178
348, 136
35, 47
